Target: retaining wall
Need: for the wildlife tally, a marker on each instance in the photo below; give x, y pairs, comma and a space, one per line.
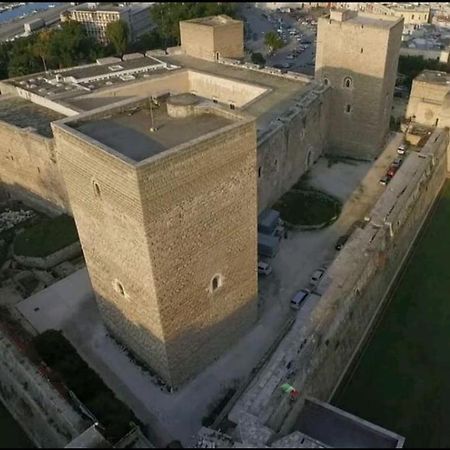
315, 355
48, 420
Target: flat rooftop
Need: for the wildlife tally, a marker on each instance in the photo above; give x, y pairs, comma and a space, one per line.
84, 79
282, 93
375, 21
128, 132
23, 113
433, 76
339, 429
213, 21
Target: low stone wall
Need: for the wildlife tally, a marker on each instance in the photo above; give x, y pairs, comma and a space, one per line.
52, 260
315, 355
48, 420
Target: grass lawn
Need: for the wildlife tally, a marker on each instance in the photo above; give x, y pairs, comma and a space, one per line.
307, 207
46, 237
402, 381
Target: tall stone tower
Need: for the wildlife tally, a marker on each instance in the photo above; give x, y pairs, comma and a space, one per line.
357, 55
167, 221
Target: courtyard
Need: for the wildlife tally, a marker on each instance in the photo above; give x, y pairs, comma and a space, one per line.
401, 380
69, 305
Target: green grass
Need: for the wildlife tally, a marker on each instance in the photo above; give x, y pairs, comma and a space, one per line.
46, 237
402, 381
307, 207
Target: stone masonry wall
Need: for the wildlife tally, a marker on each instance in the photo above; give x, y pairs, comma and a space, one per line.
197, 40
201, 223
48, 420
29, 167
290, 147
318, 353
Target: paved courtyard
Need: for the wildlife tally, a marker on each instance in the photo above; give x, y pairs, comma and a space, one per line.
69, 305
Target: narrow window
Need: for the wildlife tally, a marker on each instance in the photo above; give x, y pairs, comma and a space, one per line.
348, 108
232, 106
96, 186
259, 172
362, 50
326, 81
119, 288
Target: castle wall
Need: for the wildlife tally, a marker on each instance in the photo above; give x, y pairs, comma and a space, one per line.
111, 230
43, 414
229, 40
29, 168
289, 148
197, 40
320, 351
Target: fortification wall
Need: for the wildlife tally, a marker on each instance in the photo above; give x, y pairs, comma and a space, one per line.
29, 168
314, 356
48, 420
289, 147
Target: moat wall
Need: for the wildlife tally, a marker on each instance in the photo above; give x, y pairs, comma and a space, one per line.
315, 356
48, 420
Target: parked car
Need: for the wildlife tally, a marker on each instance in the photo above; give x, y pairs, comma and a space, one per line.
264, 268
317, 275
385, 180
397, 162
392, 170
290, 57
401, 150
299, 298
341, 241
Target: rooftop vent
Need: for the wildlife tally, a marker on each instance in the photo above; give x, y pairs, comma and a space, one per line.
109, 83
127, 77
115, 68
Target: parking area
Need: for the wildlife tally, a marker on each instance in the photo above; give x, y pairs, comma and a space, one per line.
297, 55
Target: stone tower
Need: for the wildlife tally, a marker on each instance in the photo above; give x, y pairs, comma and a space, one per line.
357, 55
167, 221
213, 37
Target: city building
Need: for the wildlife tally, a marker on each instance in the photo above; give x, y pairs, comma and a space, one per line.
95, 17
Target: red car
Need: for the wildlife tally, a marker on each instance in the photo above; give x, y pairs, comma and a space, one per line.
392, 170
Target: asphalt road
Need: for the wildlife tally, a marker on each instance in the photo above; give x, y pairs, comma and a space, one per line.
9, 30
259, 26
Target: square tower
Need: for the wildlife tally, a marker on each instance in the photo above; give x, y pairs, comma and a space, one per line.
357, 55
213, 37
165, 202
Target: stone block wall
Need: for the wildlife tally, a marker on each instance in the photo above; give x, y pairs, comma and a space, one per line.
29, 167
291, 146
156, 233
317, 353
48, 420
359, 62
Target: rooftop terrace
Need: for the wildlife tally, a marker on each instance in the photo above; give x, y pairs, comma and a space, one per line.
23, 113
213, 21
129, 132
433, 76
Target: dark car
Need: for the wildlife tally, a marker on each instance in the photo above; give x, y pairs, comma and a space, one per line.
341, 241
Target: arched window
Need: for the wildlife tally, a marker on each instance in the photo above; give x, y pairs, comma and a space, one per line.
326, 81
348, 82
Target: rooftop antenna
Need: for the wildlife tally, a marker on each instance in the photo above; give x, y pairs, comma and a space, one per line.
152, 128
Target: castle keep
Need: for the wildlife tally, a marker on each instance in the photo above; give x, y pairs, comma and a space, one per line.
165, 160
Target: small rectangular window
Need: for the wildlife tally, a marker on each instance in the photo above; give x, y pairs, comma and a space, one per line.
348, 108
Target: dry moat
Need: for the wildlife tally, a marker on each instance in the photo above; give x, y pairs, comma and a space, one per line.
401, 381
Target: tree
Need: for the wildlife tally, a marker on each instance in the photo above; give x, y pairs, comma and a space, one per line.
411, 66
273, 41
118, 33
258, 58
42, 48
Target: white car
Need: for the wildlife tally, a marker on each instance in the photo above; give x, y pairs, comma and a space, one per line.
264, 268
401, 150
317, 275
